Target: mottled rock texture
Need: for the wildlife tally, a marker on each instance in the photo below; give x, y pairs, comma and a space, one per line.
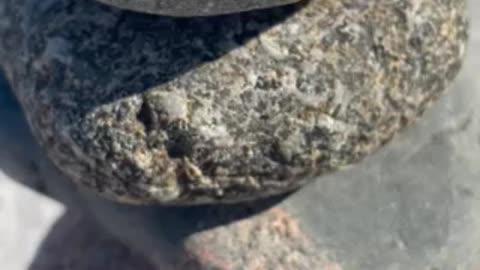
184, 8
154, 109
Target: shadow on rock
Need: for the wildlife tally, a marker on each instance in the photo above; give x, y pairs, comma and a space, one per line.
76, 243
102, 54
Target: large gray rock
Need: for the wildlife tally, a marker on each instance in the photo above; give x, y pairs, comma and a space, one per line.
412, 205
194, 7
153, 109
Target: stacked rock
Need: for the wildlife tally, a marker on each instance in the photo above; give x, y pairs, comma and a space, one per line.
186, 8
146, 108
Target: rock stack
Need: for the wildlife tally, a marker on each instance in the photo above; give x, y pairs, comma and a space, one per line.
153, 102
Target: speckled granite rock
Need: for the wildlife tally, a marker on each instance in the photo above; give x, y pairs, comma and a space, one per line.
194, 7
153, 109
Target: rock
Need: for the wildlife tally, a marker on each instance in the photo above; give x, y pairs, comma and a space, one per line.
184, 8
148, 109
412, 205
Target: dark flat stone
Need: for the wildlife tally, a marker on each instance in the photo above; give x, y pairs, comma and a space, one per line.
184, 8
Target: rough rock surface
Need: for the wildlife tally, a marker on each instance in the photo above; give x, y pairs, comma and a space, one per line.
195, 7
154, 109
412, 205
